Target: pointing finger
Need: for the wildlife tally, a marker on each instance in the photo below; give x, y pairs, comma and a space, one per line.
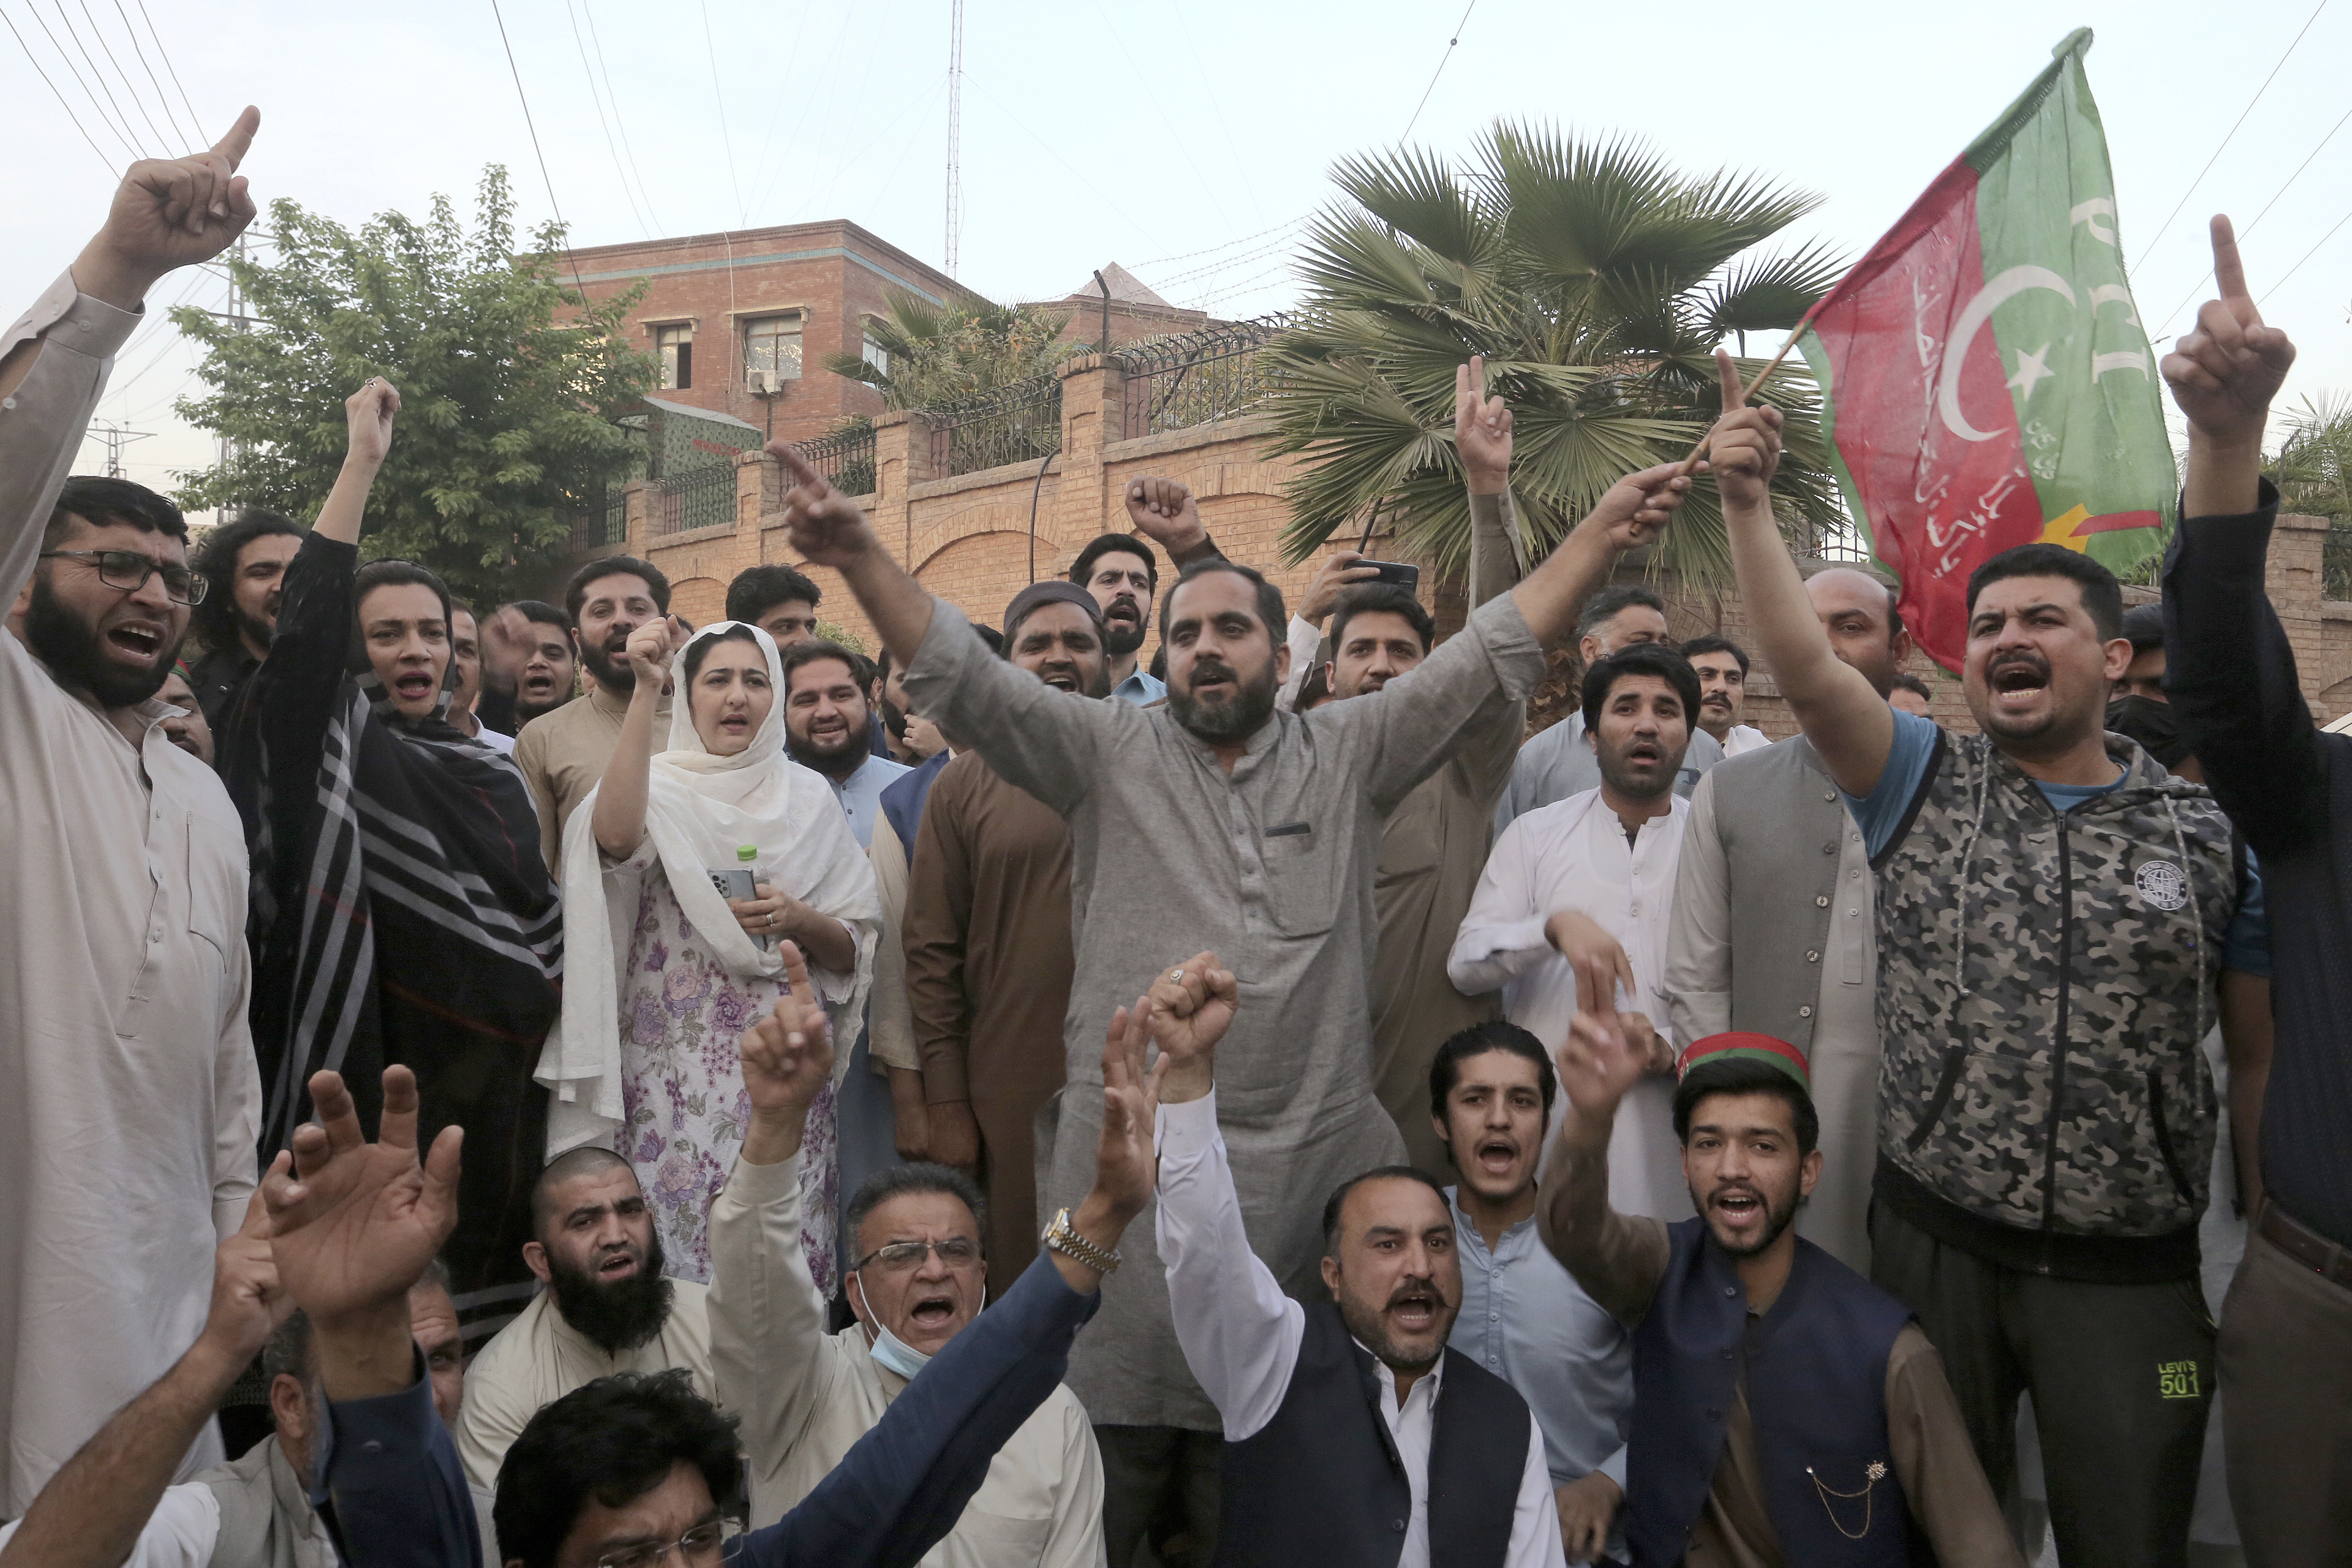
1735, 390
2228, 271
234, 146
801, 471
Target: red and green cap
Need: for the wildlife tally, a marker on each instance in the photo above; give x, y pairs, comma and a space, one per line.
1739, 1045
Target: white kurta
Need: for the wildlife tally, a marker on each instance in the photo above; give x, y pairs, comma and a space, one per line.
1573, 855
129, 1099
1743, 739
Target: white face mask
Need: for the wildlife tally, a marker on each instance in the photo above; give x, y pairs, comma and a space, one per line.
891, 1350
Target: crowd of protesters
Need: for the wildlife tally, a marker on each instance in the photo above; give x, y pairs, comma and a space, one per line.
549, 1084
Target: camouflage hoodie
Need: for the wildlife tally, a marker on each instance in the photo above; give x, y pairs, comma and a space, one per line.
2044, 983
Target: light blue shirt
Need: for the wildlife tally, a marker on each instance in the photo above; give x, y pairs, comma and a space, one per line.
1526, 1320
861, 795
1140, 688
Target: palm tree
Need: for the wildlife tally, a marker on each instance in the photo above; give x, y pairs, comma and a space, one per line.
2314, 469
942, 353
1597, 281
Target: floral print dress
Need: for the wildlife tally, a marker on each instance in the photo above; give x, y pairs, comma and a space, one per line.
682, 1022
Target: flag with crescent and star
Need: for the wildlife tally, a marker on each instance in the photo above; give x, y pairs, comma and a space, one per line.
1986, 379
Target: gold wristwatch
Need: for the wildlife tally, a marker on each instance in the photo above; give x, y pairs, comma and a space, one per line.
1070, 1244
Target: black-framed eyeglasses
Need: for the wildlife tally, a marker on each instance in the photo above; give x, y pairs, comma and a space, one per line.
129, 571
696, 1547
906, 1257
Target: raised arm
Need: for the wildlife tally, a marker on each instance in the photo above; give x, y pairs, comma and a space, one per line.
830, 529
619, 819
368, 415
1481, 439
1847, 721
92, 1512
1616, 1259
2228, 668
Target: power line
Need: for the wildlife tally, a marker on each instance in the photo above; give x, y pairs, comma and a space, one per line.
516, 72
718, 98
1245, 239
2193, 289
66, 60
191, 139
619, 123
597, 98
172, 70
2306, 257
2208, 169
130, 88
1449, 55
60, 96
83, 49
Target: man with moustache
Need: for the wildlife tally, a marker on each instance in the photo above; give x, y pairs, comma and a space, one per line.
1214, 814
1773, 937
1785, 1409
2055, 913
187, 729
826, 724
604, 1307
1123, 575
465, 651
988, 940
1594, 876
528, 664
130, 1103
245, 560
562, 754
1524, 1318
1721, 666
1353, 1433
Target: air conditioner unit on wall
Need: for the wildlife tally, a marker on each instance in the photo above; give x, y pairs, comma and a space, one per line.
760, 380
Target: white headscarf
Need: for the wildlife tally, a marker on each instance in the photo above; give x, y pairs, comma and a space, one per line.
699, 810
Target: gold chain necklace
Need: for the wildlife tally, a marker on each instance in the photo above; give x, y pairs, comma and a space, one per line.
1874, 1474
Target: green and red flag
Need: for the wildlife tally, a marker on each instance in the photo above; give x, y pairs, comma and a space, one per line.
1986, 379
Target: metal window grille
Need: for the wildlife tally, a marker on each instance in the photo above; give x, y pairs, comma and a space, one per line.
614, 522
1197, 378
1020, 423
700, 498
845, 458
1841, 540
771, 348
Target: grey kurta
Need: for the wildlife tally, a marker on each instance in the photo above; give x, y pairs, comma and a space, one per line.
1271, 867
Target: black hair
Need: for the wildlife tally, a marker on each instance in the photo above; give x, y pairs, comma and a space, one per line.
1269, 598
286, 1351
538, 612
915, 1177
1446, 1069
1382, 598
2103, 596
1608, 603
1338, 1198
611, 1440
1713, 643
1745, 1075
563, 1168
866, 673
2143, 624
1313, 690
757, 589
393, 571
1106, 543
214, 620
991, 635
100, 501
1639, 658
575, 592
1906, 681
809, 652
699, 650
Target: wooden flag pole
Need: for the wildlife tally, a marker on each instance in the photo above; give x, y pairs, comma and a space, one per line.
1761, 377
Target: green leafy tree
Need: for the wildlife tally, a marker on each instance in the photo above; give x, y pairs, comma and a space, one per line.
1597, 282
507, 424
942, 353
2313, 473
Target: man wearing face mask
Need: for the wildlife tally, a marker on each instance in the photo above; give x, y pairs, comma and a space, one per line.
988, 940
919, 1277
605, 1307
1336, 1449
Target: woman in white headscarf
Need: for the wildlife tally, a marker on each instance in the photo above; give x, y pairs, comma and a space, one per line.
668, 972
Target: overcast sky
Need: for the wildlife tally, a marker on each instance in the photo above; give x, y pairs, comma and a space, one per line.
1182, 140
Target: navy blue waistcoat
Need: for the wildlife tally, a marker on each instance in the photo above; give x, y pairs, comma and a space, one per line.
1816, 1397
1323, 1485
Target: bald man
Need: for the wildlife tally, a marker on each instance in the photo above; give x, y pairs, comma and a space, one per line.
604, 1307
1773, 935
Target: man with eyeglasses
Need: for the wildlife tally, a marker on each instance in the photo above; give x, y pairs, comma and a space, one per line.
919, 1275
129, 1099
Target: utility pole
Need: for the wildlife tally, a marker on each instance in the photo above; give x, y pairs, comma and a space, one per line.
955, 130
116, 437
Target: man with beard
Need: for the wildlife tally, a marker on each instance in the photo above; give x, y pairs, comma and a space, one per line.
1524, 1318
562, 754
1594, 876
782, 603
1123, 575
1721, 666
528, 664
1334, 1446
2055, 912
130, 1103
1215, 815
987, 931
606, 1307
1774, 937
245, 561
826, 725
1558, 762
1785, 1409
